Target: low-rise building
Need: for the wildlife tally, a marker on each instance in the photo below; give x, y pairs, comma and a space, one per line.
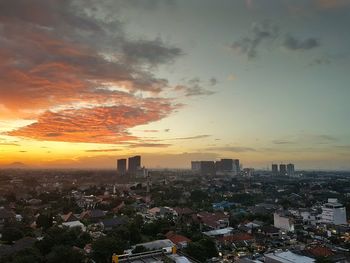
219, 232
74, 224
179, 240
215, 220
287, 257
110, 223
283, 221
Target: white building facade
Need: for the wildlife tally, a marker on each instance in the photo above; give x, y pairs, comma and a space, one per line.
283, 222
333, 213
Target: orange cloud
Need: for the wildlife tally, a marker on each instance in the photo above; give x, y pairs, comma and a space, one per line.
93, 125
77, 75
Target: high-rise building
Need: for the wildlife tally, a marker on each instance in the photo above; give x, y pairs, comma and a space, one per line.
274, 169
283, 169
236, 166
196, 166
134, 163
218, 166
203, 167
121, 166
226, 165
333, 212
290, 169
207, 168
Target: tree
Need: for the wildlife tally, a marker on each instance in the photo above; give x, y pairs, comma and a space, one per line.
104, 247
27, 256
196, 251
10, 234
135, 233
209, 247
10, 197
44, 221
202, 250
160, 226
322, 260
83, 239
65, 254
63, 236
128, 210
198, 196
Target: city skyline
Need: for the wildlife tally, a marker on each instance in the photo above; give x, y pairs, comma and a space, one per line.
83, 84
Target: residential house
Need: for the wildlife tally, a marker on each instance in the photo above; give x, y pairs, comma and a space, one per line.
179, 240
215, 220
270, 231
93, 215
69, 217
74, 224
110, 223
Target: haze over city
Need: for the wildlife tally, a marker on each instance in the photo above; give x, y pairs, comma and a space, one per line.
84, 83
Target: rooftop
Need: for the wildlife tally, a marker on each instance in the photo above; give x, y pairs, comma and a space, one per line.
288, 257
219, 232
157, 244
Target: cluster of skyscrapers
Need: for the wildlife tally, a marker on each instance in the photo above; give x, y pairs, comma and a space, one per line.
284, 170
134, 164
231, 166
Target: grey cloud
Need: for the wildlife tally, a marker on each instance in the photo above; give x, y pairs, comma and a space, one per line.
67, 52
193, 137
293, 43
326, 137
320, 61
64, 32
194, 87
266, 32
343, 147
323, 138
282, 142
103, 150
317, 138
260, 33
196, 90
141, 4
213, 81
304, 139
232, 149
150, 51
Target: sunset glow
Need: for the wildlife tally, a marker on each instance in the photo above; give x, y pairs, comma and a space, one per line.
83, 83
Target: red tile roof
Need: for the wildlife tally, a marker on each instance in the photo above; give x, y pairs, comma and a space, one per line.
320, 251
211, 219
176, 239
69, 217
183, 211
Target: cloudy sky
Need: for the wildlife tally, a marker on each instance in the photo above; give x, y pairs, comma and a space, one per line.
85, 82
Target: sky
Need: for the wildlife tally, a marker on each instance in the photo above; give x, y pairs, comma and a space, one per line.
83, 83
